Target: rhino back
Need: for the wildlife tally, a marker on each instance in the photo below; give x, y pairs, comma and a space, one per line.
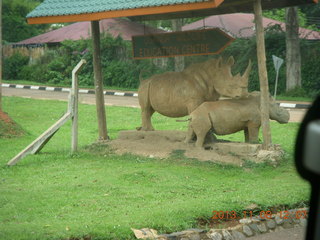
230, 116
172, 94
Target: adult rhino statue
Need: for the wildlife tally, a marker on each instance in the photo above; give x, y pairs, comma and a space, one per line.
177, 94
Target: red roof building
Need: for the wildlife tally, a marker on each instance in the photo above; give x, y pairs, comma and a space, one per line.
241, 25
82, 30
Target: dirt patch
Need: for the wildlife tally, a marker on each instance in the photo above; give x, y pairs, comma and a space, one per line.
9, 128
162, 144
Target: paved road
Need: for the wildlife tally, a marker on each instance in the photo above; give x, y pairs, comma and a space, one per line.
63, 96
296, 115
83, 98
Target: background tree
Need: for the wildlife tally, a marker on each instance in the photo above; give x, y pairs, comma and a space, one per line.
178, 61
15, 28
312, 15
293, 55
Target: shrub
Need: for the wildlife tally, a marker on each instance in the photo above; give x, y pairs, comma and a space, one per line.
54, 77
244, 49
310, 71
34, 73
296, 92
120, 70
13, 65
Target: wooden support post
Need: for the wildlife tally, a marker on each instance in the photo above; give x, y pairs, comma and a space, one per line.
39, 143
72, 114
101, 113
73, 106
263, 76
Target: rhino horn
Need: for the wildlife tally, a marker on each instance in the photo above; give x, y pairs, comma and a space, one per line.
230, 61
248, 70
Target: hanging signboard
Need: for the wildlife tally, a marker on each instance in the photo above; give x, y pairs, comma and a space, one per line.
184, 43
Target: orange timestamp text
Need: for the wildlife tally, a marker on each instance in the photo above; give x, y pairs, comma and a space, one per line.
230, 215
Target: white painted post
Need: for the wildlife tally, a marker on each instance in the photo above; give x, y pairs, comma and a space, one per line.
73, 106
72, 113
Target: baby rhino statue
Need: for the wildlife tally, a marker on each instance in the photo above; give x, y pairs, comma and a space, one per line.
232, 115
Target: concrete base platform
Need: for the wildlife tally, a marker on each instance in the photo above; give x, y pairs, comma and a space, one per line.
163, 143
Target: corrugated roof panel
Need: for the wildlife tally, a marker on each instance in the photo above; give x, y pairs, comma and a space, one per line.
70, 7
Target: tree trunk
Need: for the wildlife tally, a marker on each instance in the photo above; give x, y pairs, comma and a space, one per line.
293, 55
178, 61
263, 76
101, 113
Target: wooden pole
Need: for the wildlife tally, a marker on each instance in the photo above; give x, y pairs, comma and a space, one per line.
74, 119
101, 113
73, 106
263, 76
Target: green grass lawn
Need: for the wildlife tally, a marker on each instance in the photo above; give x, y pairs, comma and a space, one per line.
299, 99
55, 195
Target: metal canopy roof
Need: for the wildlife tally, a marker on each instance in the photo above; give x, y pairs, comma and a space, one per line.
62, 7
53, 11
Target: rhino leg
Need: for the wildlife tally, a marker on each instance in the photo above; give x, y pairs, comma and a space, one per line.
210, 137
146, 114
253, 132
146, 109
190, 134
246, 134
201, 127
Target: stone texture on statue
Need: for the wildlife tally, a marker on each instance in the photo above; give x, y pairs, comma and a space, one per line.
232, 115
177, 94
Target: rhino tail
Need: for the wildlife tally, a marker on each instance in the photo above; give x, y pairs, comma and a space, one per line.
183, 120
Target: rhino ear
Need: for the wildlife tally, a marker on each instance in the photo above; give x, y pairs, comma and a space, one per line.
230, 61
219, 63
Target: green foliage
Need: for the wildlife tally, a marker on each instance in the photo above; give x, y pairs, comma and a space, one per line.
296, 92
34, 73
310, 70
275, 42
279, 14
15, 27
312, 13
119, 69
13, 65
121, 74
